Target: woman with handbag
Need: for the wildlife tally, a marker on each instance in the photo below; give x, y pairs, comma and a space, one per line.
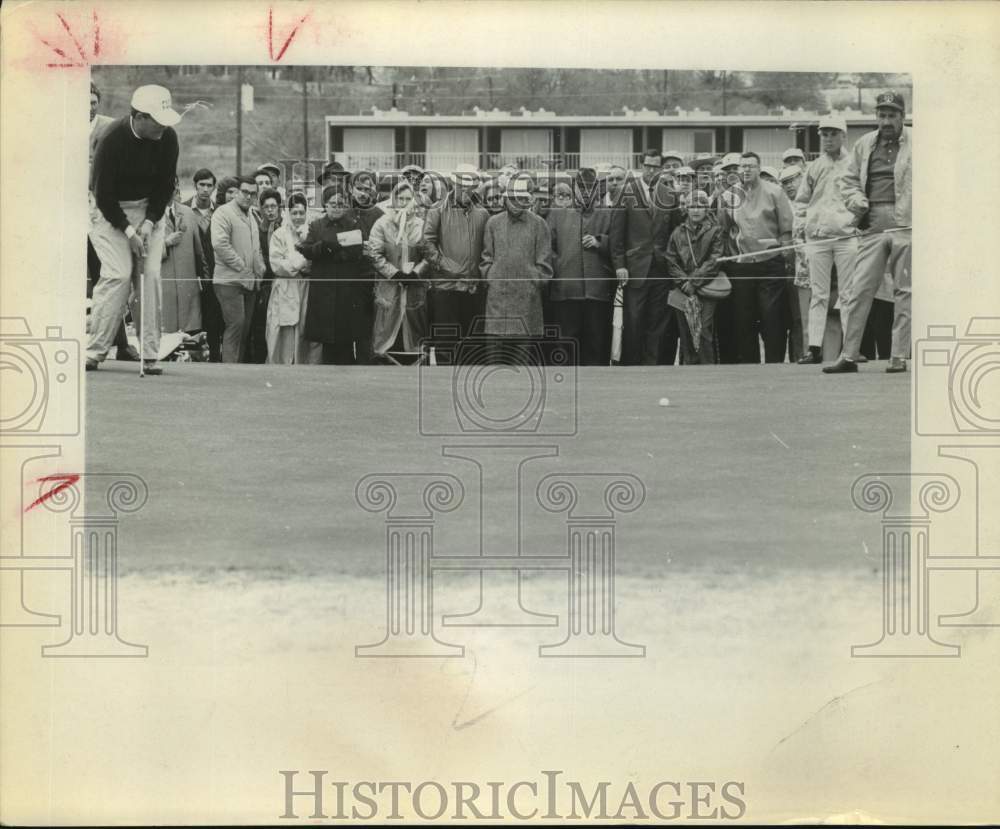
692, 261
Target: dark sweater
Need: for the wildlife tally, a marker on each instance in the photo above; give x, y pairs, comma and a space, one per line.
127, 168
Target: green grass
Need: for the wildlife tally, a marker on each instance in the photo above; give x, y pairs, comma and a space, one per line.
254, 467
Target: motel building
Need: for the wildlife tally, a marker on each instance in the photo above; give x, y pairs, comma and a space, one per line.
386, 141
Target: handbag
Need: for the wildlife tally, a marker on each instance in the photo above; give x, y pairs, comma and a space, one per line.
718, 287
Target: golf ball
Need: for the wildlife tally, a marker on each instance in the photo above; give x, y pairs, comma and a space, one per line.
664, 401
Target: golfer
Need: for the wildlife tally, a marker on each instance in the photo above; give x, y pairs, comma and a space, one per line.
134, 171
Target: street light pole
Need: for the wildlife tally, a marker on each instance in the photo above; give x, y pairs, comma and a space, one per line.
305, 115
239, 120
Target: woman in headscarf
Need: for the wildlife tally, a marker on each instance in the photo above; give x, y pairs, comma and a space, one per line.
339, 311
400, 293
286, 308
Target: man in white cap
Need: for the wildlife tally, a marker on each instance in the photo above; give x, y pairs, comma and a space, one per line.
135, 168
793, 155
453, 245
878, 189
820, 206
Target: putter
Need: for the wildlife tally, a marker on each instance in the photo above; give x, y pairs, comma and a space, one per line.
142, 313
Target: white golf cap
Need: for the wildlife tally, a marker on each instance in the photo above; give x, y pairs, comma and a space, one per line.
684, 171
672, 154
769, 171
156, 103
793, 152
731, 160
833, 122
790, 172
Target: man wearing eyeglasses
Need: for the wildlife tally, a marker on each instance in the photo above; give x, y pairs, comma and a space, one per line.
239, 268
652, 169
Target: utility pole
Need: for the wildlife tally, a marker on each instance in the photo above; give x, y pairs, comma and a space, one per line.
489, 81
859, 97
394, 94
239, 120
723, 91
305, 114
666, 89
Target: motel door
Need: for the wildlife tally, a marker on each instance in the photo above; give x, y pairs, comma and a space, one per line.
448, 148
613, 146
525, 148
769, 143
369, 148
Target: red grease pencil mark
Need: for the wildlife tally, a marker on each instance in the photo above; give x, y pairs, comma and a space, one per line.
76, 42
67, 481
63, 51
288, 40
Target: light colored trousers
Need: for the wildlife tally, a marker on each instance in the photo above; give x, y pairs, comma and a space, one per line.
822, 257
119, 272
285, 343
877, 254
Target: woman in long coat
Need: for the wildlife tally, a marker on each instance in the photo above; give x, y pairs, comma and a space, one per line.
516, 263
182, 267
286, 309
401, 294
339, 312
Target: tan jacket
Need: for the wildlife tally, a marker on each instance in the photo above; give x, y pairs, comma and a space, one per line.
855, 179
236, 243
820, 203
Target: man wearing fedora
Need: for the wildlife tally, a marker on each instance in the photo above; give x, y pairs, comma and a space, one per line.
135, 168
878, 188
